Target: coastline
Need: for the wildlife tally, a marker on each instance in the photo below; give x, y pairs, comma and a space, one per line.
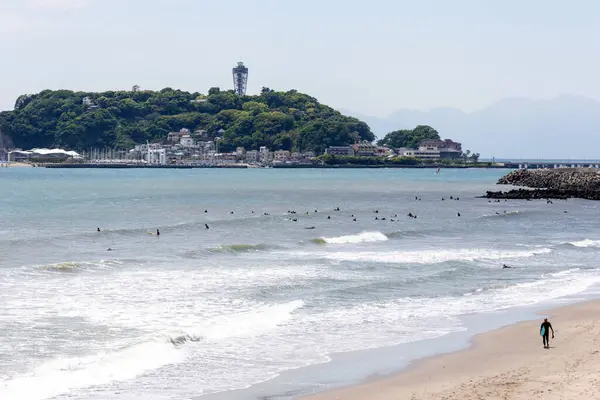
16, 164
501, 364
276, 166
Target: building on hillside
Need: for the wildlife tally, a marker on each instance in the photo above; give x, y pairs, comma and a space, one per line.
427, 153
201, 134
383, 151
365, 149
89, 102
228, 158
340, 150
156, 156
241, 152
265, 155
282, 155
252, 156
405, 152
447, 149
449, 153
187, 141
175, 137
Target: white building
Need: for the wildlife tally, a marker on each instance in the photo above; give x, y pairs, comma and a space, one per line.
88, 102
252, 156
282, 155
428, 152
406, 152
264, 154
175, 137
187, 140
156, 156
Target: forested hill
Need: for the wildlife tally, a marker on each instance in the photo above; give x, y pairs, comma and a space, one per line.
120, 119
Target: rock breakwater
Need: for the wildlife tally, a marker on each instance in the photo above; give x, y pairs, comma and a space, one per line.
550, 184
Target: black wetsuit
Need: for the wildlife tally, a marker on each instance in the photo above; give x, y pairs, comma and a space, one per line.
546, 336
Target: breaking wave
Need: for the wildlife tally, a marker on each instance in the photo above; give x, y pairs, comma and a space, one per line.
363, 237
63, 375
248, 323
433, 257
585, 243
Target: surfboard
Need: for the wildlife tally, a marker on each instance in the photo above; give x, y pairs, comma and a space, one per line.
543, 331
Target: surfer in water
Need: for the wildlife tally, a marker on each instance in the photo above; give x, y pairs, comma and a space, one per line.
157, 232
545, 329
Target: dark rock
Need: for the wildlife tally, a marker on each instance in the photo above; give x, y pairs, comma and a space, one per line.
550, 184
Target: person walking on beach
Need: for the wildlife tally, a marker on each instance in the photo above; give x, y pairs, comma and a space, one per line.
545, 332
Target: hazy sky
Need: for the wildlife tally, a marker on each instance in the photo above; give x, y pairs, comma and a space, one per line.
370, 56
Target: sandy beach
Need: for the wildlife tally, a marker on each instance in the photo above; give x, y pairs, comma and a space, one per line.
509, 363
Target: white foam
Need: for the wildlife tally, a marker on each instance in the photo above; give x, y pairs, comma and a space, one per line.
363, 237
63, 375
248, 323
564, 273
433, 256
586, 243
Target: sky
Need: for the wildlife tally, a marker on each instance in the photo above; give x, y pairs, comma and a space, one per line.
371, 57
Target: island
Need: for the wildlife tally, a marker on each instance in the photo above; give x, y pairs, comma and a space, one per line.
222, 128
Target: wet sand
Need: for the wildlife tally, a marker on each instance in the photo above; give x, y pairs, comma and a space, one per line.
509, 363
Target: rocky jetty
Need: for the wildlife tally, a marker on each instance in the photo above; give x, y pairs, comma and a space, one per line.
550, 184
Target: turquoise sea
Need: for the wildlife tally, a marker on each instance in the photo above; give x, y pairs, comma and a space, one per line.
198, 311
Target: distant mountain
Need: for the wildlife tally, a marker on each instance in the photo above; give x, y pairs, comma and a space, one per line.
567, 127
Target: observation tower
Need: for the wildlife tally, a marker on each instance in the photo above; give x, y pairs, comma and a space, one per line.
240, 79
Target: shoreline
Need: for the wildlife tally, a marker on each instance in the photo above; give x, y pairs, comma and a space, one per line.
15, 165
489, 369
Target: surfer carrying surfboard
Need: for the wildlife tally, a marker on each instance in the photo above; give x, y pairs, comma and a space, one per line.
545, 329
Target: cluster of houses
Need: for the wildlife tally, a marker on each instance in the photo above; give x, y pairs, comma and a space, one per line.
186, 146
427, 150
198, 147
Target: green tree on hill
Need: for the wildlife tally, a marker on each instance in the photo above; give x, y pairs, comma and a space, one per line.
279, 120
409, 137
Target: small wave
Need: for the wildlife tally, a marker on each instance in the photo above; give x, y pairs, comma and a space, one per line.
241, 248
398, 234
585, 243
78, 266
503, 214
363, 237
62, 267
434, 257
564, 273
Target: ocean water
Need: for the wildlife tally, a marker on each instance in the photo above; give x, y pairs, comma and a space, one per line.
198, 311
